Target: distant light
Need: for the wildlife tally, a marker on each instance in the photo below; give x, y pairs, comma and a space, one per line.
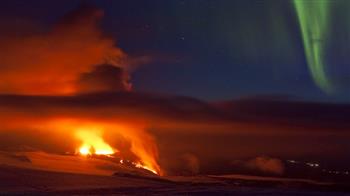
313, 164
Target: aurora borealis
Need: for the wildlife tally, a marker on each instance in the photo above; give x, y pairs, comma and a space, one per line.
314, 24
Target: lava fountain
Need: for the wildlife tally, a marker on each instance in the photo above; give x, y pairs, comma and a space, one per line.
93, 143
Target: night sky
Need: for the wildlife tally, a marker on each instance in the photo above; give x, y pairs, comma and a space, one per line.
212, 50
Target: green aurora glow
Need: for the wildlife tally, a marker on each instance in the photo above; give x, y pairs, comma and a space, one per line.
313, 16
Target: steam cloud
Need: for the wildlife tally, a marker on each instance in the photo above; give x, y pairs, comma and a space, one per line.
266, 165
191, 163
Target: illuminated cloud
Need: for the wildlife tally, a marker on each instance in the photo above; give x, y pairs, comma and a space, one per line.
50, 62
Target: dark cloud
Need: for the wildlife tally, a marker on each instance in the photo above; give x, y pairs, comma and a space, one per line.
178, 109
104, 78
288, 113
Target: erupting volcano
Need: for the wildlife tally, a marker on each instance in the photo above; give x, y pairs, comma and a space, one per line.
99, 67
93, 144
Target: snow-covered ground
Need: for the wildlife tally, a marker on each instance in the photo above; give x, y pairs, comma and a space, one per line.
41, 173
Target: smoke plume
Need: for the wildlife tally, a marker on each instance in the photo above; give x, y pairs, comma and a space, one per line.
266, 165
51, 61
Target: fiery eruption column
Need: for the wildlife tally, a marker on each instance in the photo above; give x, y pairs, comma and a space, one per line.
93, 143
313, 16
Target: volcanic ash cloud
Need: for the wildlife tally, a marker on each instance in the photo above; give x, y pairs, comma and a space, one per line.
51, 61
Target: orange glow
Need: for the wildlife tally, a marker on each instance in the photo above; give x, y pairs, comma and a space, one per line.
138, 165
91, 135
98, 137
43, 69
93, 143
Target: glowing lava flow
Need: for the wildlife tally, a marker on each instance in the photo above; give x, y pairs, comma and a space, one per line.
93, 144
138, 165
